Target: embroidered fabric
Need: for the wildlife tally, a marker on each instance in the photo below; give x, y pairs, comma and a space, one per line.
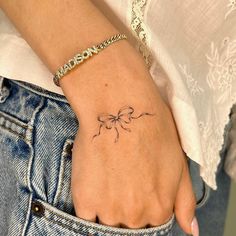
232, 7
218, 86
220, 81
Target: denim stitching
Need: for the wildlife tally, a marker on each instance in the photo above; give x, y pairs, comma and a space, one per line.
17, 134
62, 225
17, 123
41, 91
26, 225
108, 231
62, 171
162, 228
94, 227
59, 181
31, 160
14, 120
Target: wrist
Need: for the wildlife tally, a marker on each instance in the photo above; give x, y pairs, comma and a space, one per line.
97, 78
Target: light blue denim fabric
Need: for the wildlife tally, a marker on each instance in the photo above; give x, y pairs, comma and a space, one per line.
37, 130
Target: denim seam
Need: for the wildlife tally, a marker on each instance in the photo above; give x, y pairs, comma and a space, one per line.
14, 120
40, 91
58, 186
166, 227
62, 225
30, 163
17, 123
26, 225
60, 181
13, 132
29, 136
31, 139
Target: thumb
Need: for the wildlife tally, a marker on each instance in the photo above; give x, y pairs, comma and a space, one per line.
185, 204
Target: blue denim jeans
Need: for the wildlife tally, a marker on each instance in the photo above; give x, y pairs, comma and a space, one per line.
37, 130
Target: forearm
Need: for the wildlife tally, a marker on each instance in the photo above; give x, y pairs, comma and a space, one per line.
57, 29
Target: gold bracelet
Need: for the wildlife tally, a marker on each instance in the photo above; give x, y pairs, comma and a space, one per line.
80, 57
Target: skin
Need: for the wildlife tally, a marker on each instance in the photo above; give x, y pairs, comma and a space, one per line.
141, 179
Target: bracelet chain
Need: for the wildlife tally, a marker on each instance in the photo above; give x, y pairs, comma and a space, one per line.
80, 57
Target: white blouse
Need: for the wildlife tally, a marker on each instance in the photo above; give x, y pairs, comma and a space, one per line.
189, 47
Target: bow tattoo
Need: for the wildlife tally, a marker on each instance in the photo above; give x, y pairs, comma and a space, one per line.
124, 116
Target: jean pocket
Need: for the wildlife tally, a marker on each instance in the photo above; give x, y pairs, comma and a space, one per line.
48, 220
58, 217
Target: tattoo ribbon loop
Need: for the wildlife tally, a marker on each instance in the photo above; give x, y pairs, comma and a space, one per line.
124, 116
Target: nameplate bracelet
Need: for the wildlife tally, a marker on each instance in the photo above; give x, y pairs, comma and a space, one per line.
80, 57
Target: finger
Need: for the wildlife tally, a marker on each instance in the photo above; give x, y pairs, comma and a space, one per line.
109, 222
116, 220
185, 204
130, 226
85, 214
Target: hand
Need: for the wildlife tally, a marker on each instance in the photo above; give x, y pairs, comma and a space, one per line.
132, 176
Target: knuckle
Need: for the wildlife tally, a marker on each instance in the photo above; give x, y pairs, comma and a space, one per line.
108, 220
133, 222
133, 213
154, 217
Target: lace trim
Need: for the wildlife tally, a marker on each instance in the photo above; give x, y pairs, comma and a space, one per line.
232, 7
140, 30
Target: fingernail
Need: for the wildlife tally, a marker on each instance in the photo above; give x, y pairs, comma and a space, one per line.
194, 227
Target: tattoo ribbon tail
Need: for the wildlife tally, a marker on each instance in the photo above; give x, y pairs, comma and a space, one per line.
142, 114
117, 135
99, 132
